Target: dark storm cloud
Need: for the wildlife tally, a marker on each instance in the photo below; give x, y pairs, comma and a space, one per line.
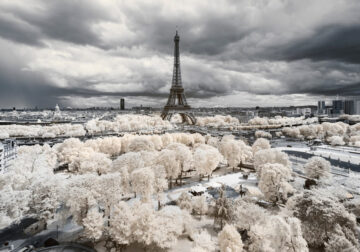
66, 20
330, 43
332, 90
25, 89
18, 31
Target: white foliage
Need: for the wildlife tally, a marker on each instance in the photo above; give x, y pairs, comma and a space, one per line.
142, 181
230, 239
318, 168
203, 240
94, 224
206, 159
272, 156
183, 155
147, 227
141, 143
273, 182
217, 121
336, 140
167, 158
160, 182
263, 134
322, 216
277, 234
184, 202
235, 151
260, 144
166, 139
57, 130
91, 161
126, 123
245, 214
121, 220
199, 205
129, 161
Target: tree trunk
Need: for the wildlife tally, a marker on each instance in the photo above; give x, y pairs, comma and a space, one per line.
159, 205
180, 178
200, 177
208, 177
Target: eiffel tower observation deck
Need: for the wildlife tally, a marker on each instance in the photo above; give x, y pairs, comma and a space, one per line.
176, 103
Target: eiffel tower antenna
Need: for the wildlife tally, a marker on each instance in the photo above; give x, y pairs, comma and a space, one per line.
176, 103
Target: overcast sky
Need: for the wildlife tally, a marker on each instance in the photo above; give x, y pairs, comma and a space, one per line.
84, 53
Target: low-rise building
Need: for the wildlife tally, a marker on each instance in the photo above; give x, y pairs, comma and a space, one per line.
8, 152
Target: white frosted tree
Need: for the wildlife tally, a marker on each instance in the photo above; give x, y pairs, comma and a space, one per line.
230, 240
129, 161
170, 223
206, 159
121, 221
183, 156
141, 143
273, 182
107, 190
318, 168
260, 144
81, 195
336, 140
142, 182
160, 182
272, 156
263, 134
245, 214
68, 150
235, 151
184, 202
167, 159
322, 217
94, 224
277, 233
338, 242
157, 142
45, 196
203, 241
231, 151
199, 205
91, 161
14, 205
212, 141
166, 139
222, 208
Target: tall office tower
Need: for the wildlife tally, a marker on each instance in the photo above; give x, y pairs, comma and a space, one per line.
349, 107
321, 109
337, 107
122, 104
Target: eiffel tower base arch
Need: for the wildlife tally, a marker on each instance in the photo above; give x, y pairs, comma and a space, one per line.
186, 116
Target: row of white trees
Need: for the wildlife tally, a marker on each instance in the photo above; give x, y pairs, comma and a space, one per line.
338, 133
133, 123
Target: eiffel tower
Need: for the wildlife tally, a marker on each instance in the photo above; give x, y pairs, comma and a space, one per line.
176, 103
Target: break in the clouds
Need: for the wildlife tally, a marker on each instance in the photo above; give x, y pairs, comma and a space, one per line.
233, 53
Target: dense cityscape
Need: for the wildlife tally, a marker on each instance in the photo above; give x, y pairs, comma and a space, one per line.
92, 160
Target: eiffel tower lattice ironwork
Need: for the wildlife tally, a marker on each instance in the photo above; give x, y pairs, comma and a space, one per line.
176, 103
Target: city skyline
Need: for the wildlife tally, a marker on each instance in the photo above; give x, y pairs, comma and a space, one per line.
233, 53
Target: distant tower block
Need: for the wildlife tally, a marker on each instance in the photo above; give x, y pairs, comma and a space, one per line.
176, 103
122, 104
